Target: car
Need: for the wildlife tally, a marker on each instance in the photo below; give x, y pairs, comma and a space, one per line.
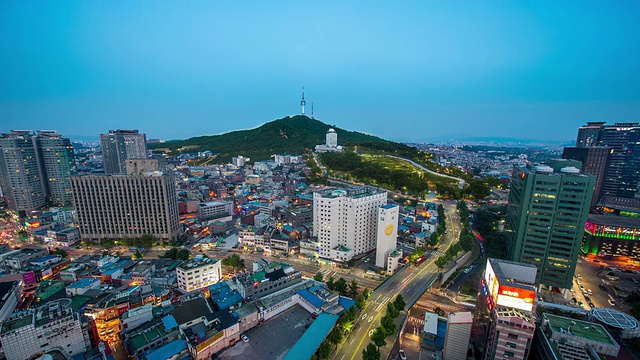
403, 356
591, 304
612, 303
581, 287
602, 287
590, 292
244, 338
587, 298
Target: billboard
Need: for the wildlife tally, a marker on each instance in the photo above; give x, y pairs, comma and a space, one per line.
515, 297
29, 278
507, 295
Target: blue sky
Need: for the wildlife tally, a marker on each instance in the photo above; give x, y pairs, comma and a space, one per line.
409, 71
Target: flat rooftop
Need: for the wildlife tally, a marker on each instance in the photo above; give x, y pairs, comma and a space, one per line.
617, 221
579, 328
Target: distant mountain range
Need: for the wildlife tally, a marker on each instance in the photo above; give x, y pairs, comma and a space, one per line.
493, 140
289, 135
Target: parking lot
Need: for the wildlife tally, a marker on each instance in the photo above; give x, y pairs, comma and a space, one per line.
592, 276
273, 338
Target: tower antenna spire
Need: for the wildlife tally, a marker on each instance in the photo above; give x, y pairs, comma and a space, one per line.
312, 110
303, 103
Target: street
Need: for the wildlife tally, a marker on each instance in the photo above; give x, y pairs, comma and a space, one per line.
411, 282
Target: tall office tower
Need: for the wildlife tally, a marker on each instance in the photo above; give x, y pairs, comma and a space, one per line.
505, 309
623, 175
118, 206
456, 341
595, 161
388, 216
57, 164
142, 166
547, 210
589, 135
624, 166
345, 220
19, 171
119, 146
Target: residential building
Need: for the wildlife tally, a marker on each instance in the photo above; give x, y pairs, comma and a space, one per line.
458, 335
121, 145
20, 176
345, 220
54, 325
214, 210
545, 218
595, 161
119, 206
239, 160
57, 163
393, 261
559, 338
198, 273
218, 331
264, 282
82, 286
386, 241
505, 310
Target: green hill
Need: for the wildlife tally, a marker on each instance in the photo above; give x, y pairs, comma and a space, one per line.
290, 135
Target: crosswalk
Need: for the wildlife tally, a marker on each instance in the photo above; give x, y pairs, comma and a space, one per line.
416, 321
437, 253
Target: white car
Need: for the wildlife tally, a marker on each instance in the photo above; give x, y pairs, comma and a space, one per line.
403, 356
244, 338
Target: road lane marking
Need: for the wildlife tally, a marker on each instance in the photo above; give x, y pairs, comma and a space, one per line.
371, 319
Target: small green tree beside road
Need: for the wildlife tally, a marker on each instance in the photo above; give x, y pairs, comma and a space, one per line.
318, 276
371, 352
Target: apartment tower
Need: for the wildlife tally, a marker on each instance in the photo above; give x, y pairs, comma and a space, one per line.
119, 146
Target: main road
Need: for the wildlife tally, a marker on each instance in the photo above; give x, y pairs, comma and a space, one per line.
411, 282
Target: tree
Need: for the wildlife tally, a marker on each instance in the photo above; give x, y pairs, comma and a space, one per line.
349, 316
379, 337
335, 336
371, 352
330, 284
137, 255
86, 242
341, 286
183, 254
366, 293
399, 302
392, 311
387, 323
318, 276
324, 351
439, 311
361, 303
234, 261
353, 288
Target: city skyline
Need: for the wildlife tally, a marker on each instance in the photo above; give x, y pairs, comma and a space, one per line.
404, 72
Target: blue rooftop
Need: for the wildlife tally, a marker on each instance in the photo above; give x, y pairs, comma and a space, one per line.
403, 228
82, 283
346, 303
312, 338
389, 206
223, 297
169, 322
45, 258
166, 351
314, 300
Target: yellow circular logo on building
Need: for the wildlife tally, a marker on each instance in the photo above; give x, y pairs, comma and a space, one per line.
389, 229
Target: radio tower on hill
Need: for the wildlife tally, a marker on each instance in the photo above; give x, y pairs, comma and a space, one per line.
312, 110
303, 103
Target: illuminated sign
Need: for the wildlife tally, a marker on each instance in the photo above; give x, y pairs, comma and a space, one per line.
33, 225
492, 282
516, 298
29, 278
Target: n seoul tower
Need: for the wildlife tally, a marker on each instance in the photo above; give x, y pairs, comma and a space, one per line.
303, 103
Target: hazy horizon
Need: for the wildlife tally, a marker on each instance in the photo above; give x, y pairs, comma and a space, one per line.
408, 71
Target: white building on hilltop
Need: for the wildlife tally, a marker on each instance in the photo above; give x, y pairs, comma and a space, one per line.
331, 143
387, 233
345, 220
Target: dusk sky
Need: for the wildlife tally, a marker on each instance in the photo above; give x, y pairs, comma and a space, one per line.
408, 71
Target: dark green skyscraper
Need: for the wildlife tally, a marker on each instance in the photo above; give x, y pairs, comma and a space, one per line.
548, 207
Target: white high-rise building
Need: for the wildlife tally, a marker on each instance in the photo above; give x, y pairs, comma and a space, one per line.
345, 220
387, 233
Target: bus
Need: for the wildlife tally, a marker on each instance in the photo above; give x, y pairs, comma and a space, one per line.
419, 260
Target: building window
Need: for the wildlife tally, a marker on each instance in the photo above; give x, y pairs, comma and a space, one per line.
511, 345
513, 336
509, 354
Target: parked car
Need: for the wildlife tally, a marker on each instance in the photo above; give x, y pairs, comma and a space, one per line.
244, 338
612, 303
602, 287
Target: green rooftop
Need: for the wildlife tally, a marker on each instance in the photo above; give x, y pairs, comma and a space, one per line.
259, 276
48, 288
147, 337
10, 325
583, 329
79, 300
